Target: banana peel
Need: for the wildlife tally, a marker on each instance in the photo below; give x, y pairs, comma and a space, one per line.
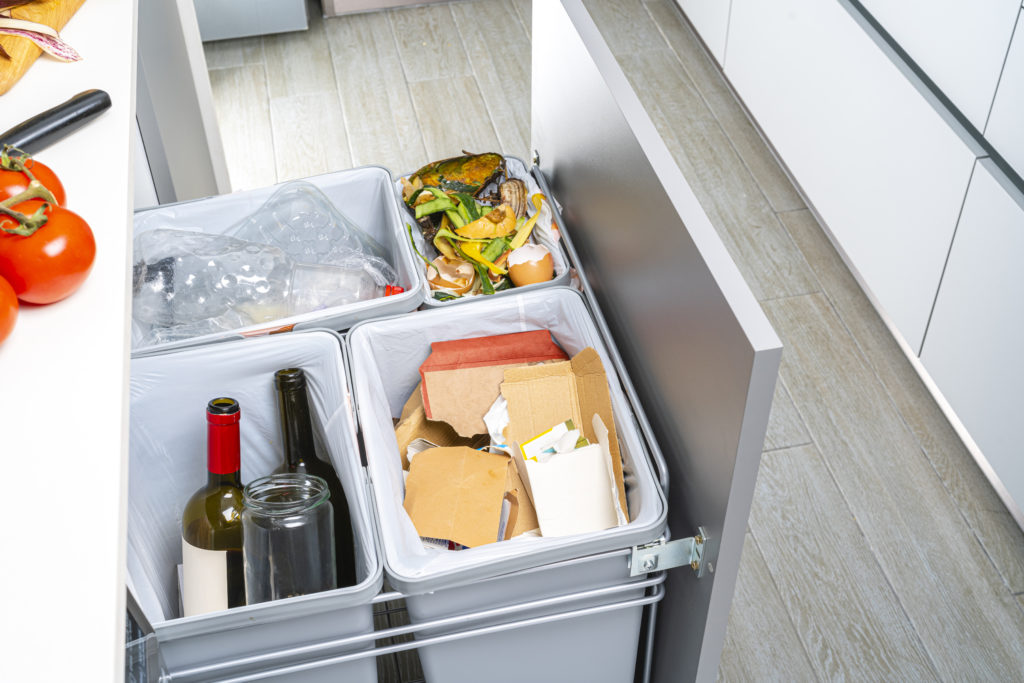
498, 223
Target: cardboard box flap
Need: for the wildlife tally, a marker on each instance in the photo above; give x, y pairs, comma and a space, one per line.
456, 494
542, 396
461, 378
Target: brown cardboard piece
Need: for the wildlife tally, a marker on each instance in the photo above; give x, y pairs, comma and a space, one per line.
541, 396
413, 424
456, 494
461, 378
522, 517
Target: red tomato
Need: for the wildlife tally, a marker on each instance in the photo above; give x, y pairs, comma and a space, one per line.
51, 263
8, 309
13, 182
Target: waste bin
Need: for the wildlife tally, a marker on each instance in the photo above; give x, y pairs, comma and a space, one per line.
363, 194
385, 357
169, 392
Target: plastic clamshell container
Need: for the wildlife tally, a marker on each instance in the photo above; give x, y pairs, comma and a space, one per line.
169, 392
385, 356
563, 271
364, 194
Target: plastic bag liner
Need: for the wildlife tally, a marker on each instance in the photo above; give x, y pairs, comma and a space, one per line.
540, 234
364, 194
386, 355
169, 393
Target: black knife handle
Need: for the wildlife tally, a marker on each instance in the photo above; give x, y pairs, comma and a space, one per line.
42, 130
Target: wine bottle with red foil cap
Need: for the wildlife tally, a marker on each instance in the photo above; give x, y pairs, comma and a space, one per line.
211, 525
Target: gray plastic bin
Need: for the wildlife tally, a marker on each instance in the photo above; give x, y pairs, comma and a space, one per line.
363, 194
385, 357
167, 463
563, 271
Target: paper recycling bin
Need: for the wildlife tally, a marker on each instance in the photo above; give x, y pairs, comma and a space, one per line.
385, 357
563, 270
363, 194
169, 392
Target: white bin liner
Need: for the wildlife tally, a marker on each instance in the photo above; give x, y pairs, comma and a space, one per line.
541, 234
364, 194
169, 393
385, 357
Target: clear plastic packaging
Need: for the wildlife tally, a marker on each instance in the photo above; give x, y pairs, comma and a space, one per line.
190, 283
303, 223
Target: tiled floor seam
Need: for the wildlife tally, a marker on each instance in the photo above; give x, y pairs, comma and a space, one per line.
866, 359
874, 555
778, 592
707, 103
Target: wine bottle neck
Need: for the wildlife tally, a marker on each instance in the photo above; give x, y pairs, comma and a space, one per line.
223, 449
296, 428
214, 479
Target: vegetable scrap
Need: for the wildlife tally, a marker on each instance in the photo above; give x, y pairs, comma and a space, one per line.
476, 232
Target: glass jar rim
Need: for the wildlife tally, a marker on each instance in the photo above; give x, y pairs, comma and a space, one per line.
285, 494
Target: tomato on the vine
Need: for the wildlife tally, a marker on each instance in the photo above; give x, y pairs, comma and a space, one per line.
15, 182
52, 262
8, 309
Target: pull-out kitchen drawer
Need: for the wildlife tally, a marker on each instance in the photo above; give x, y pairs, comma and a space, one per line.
701, 356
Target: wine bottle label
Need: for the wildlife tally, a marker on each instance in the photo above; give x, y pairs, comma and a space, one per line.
205, 579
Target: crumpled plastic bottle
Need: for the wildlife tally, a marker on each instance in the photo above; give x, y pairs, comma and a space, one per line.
187, 283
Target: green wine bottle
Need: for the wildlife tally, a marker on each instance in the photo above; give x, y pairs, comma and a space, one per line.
301, 455
211, 525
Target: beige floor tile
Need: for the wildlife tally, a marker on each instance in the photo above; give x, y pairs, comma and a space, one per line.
299, 63
448, 130
309, 135
1001, 537
524, 10
785, 426
772, 180
761, 643
222, 54
502, 69
243, 115
847, 616
764, 252
430, 45
379, 115
897, 499
625, 25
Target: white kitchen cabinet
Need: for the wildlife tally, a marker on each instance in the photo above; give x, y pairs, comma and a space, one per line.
711, 19
1006, 124
974, 342
879, 164
959, 44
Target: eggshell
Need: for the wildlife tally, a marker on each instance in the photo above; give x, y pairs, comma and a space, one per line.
530, 264
452, 274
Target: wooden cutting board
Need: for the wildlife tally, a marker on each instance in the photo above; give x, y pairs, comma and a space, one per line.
23, 52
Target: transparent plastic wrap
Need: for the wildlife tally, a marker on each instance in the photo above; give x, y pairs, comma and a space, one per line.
186, 284
301, 221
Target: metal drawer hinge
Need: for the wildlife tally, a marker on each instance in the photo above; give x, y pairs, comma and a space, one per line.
661, 555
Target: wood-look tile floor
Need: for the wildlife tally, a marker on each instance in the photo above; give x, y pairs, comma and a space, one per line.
900, 562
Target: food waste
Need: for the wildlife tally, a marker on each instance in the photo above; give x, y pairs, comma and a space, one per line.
479, 221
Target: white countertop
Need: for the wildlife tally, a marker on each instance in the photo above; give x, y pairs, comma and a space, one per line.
63, 381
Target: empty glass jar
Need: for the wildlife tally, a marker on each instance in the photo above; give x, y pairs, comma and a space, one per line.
288, 537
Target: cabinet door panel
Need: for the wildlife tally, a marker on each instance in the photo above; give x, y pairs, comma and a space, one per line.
959, 44
876, 160
711, 19
1006, 124
974, 342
